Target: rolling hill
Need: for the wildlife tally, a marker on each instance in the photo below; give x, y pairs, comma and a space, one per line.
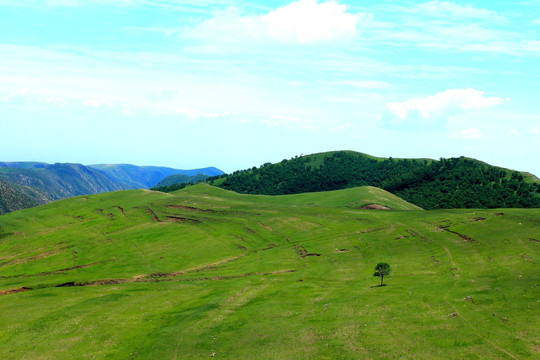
430, 184
205, 272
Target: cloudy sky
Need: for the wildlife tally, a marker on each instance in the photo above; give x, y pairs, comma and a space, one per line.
234, 84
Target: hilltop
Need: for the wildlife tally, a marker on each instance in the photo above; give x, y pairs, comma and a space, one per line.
430, 184
205, 272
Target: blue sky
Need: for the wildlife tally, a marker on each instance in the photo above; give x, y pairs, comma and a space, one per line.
235, 84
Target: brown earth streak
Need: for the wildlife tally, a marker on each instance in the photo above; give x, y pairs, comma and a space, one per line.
190, 208
154, 216
464, 237
375, 207
182, 219
37, 257
14, 291
302, 252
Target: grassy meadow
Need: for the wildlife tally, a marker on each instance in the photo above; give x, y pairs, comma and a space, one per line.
204, 272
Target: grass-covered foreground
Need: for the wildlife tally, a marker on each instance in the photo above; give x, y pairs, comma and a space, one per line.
204, 272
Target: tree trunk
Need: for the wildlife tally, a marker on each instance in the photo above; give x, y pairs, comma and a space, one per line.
382, 277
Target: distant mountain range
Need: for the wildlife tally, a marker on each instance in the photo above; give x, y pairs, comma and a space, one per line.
137, 177
27, 184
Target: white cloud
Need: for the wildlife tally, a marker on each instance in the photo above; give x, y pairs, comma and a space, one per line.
513, 132
448, 8
307, 21
302, 21
470, 134
437, 108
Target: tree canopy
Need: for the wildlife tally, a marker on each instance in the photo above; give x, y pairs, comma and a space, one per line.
381, 270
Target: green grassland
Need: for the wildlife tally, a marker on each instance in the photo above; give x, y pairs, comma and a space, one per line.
204, 272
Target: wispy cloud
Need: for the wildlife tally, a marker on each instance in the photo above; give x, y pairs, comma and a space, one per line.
446, 9
366, 84
470, 134
435, 109
448, 26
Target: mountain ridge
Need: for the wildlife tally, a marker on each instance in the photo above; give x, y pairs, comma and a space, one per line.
145, 177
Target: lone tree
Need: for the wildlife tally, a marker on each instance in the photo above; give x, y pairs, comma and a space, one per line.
382, 269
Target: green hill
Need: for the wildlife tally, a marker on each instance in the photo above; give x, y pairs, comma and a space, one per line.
447, 183
204, 272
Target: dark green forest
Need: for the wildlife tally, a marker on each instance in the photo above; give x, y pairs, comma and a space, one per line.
447, 183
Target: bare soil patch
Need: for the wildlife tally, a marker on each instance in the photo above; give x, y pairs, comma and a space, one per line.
269, 228
375, 207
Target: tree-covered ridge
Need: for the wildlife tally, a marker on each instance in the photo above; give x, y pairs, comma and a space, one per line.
180, 179
447, 183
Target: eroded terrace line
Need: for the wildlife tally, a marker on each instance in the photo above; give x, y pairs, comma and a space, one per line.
156, 277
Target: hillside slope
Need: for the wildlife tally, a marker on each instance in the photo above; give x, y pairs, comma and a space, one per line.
12, 199
43, 183
204, 272
430, 184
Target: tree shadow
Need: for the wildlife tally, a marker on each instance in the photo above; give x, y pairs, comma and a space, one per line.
376, 286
